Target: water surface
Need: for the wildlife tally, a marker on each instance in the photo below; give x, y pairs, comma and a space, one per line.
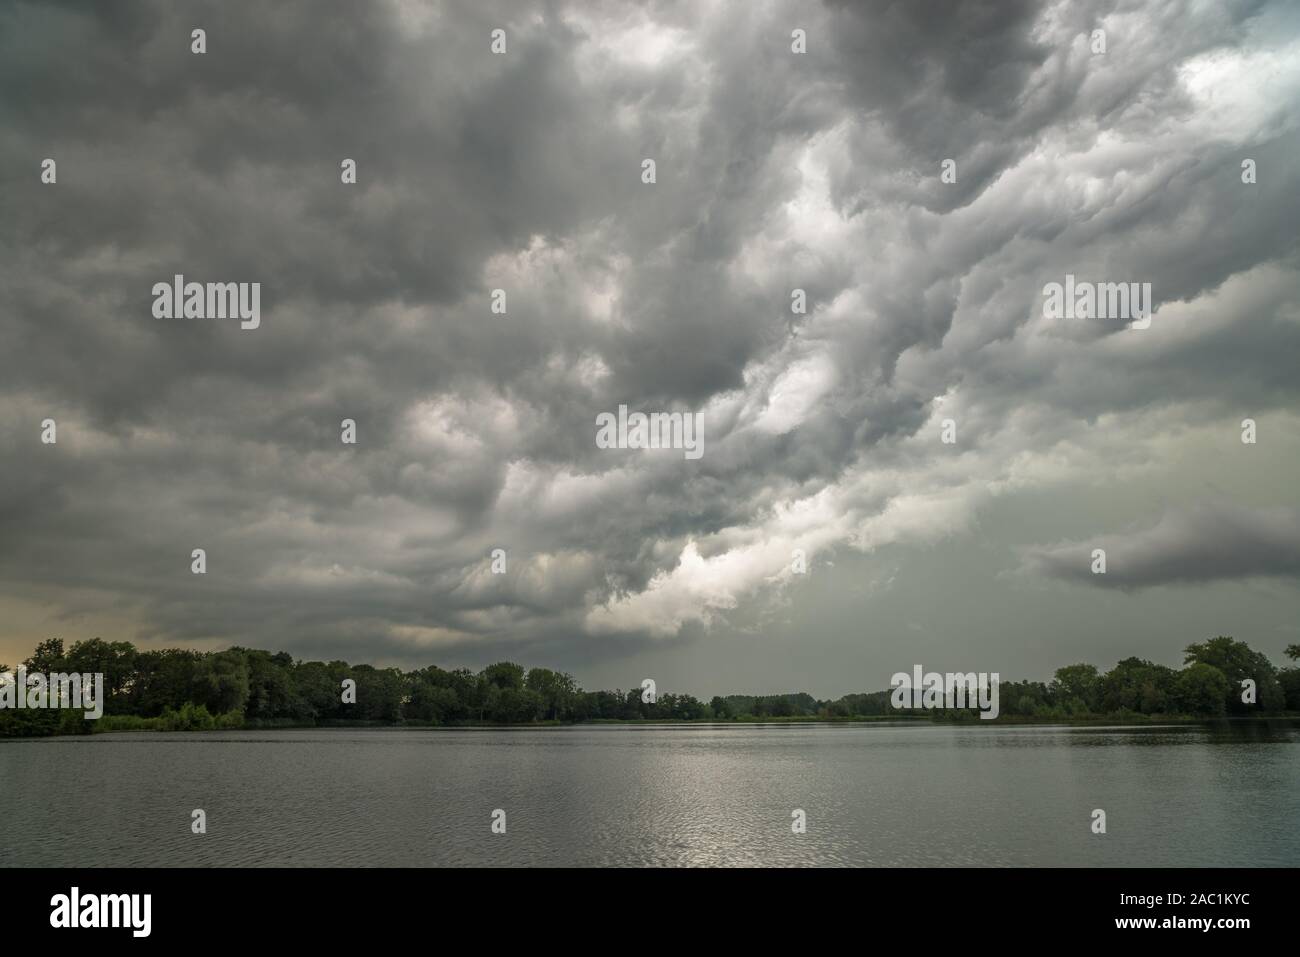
892, 794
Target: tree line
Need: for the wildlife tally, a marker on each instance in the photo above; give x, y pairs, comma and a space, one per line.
182, 689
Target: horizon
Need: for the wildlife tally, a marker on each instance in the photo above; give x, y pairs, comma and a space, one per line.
864, 272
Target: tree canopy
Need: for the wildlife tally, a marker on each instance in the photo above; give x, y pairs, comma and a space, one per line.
178, 688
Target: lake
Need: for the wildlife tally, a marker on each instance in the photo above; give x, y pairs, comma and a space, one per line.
888, 794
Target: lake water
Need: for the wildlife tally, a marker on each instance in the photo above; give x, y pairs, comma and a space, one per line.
878, 794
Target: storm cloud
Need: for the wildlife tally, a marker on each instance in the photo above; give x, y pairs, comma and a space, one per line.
1214, 542
522, 171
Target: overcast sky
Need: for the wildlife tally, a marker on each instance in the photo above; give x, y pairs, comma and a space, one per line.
775, 170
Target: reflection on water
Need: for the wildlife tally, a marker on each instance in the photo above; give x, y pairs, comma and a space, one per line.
878, 794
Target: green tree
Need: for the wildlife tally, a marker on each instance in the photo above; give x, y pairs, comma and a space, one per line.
1202, 689
379, 694
47, 658
1136, 684
318, 688
516, 705
1077, 683
434, 696
504, 674
1238, 662
223, 683
117, 661
271, 689
166, 679
1287, 678
556, 690
689, 708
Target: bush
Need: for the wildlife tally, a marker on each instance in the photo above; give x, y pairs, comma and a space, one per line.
230, 721
126, 722
190, 717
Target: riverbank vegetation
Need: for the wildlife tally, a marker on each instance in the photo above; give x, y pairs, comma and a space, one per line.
186, 690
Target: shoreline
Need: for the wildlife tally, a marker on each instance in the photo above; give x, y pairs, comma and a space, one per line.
1098, 721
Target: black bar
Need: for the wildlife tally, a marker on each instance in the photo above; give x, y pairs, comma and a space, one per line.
328, 906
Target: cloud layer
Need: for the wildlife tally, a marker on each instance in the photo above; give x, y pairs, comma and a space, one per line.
521, 171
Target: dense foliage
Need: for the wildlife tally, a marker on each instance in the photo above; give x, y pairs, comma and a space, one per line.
178, 689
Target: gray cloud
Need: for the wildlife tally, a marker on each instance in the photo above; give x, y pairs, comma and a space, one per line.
1211, 543
521, 171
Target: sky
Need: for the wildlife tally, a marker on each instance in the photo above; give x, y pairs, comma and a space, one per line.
775, 170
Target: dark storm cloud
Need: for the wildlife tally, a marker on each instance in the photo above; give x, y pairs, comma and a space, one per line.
1211, 543
522, 172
